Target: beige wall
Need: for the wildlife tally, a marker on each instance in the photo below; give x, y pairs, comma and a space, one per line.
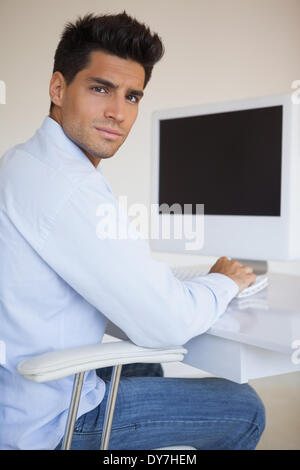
215, 50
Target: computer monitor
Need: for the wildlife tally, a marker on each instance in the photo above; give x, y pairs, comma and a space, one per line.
241, 161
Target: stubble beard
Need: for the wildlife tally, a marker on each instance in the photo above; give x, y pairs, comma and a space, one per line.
105, 148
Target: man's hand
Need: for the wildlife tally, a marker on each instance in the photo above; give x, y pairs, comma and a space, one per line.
242, 275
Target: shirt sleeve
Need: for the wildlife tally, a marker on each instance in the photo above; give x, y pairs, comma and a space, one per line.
93, 246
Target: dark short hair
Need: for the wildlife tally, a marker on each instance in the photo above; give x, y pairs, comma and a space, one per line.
119, 35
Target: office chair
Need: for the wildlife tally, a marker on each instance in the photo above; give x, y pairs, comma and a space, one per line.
58, 364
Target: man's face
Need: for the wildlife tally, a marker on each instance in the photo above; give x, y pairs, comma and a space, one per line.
102, 97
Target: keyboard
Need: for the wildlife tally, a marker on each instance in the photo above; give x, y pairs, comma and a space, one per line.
260, 283
187, 273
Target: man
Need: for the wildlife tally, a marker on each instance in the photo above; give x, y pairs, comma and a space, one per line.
61, 282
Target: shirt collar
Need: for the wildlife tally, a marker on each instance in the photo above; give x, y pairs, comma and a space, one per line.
56, 132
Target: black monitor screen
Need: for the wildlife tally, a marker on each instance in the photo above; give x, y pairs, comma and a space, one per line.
229, 161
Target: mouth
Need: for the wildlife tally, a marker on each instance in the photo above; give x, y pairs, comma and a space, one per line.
109, 133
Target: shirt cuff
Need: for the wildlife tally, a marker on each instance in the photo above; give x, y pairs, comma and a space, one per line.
223, 288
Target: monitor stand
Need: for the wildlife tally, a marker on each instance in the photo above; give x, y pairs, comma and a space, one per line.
259, 266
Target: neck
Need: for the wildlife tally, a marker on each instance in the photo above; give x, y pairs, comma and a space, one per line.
55, 115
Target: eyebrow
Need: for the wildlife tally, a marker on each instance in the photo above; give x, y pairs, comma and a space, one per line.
102, 81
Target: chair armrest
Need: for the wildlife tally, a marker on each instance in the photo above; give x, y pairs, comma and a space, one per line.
57, 364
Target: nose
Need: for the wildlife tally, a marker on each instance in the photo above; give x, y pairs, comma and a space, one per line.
115, 109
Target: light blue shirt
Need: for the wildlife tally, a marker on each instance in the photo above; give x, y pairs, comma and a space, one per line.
60, 283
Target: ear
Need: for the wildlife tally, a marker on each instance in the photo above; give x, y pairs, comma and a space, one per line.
57, 88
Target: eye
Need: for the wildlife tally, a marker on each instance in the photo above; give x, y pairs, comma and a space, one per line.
135, 99
97, 88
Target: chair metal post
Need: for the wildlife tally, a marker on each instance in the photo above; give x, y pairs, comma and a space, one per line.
77, 386
110, 406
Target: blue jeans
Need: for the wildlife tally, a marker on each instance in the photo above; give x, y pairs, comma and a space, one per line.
153, 411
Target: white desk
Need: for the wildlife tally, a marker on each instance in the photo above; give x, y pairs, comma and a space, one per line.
254, 337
